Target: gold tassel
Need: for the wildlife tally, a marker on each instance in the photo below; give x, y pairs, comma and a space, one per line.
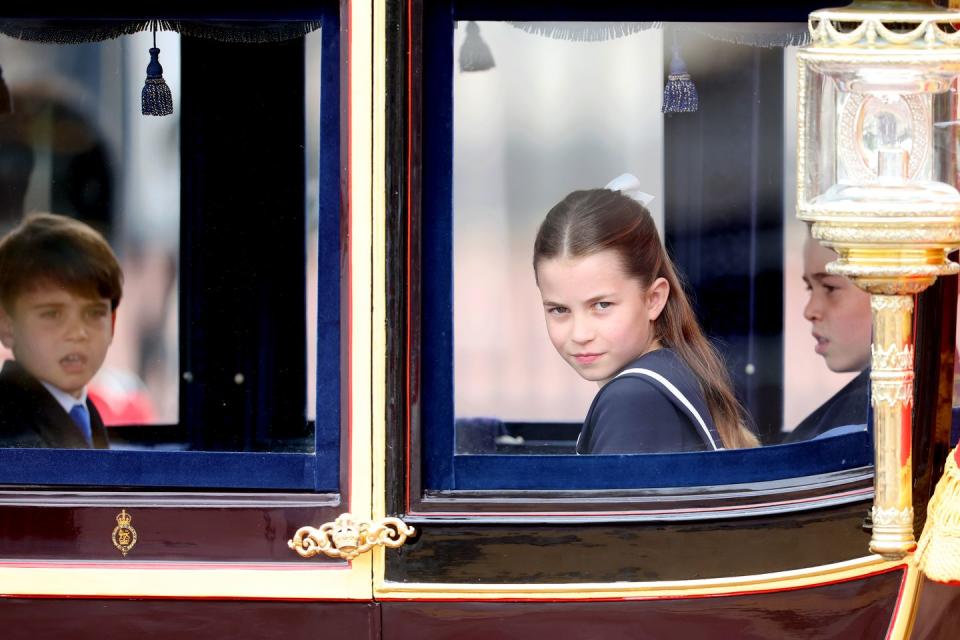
938, 552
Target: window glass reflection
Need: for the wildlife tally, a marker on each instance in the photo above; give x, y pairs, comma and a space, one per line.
77, 145
554, 115
221, 354
824, 385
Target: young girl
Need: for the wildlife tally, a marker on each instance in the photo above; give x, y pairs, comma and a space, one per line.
616, 312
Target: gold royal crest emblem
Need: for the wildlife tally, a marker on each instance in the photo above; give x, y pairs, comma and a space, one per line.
124, 536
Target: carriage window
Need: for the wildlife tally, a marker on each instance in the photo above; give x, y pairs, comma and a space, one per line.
76, 145
540, 110
221, 220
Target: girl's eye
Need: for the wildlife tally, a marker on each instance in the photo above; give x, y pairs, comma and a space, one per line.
829, 289
603, 304
556, 311
49, 314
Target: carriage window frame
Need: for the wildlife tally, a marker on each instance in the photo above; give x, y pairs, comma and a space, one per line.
318, 471
440, 481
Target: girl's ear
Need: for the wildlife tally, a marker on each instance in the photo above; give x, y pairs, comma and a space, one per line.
657, 294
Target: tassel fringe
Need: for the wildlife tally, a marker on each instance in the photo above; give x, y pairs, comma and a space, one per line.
585, 32
680, 94
79, 31
938, 552
156, 99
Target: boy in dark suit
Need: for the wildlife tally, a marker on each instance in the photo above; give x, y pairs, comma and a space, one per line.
841, 323
60, 285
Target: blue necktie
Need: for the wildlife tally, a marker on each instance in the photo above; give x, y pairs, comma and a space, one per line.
81, 416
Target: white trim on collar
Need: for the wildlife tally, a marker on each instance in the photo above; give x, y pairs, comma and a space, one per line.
678, 395
65, 400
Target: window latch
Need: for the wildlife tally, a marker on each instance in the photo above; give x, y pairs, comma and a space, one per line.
347, 537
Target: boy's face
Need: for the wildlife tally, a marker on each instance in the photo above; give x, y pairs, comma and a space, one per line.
838, 311
59, 337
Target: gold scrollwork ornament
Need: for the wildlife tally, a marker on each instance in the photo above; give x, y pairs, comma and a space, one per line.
891, 303
891, 357
124, 535
892, 517
892, 393
347, 538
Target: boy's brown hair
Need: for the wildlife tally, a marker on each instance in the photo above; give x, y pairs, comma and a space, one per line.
49, 248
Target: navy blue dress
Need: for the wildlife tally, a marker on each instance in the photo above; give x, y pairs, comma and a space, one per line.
658, 409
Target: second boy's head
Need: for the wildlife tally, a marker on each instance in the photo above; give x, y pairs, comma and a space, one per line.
60, 285
838, 311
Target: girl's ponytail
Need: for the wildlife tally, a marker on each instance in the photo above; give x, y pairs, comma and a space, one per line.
677, 328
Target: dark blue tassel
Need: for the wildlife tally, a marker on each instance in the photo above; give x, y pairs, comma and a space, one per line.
155, 99
679, 93
6, 100
475, 55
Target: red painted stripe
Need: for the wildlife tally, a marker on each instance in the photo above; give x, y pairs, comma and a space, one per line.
349, 251
409, 336
901, 568
44, 596
167, 566
896, 607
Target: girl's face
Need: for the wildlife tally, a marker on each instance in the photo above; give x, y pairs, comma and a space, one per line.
598, 318
838, 311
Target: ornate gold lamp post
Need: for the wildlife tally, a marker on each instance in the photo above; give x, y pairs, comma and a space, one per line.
877, 145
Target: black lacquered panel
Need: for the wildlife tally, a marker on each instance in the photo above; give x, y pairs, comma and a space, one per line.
629, 552
860, 609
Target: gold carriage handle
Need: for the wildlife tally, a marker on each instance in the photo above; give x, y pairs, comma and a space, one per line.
347, 538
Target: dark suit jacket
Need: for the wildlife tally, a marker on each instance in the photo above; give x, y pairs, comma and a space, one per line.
31, 417
847, 406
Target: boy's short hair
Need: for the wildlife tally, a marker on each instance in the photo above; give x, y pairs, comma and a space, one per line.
46, 247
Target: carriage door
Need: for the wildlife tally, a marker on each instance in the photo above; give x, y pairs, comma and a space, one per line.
494, 112
236, 393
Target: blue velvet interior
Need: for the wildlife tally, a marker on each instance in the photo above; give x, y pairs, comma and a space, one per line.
437, 248
638, 471
273, 471
330, 270
182, 469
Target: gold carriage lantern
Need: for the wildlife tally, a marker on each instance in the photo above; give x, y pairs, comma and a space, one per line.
877, 175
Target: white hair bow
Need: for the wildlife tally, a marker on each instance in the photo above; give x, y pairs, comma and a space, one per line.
629, 185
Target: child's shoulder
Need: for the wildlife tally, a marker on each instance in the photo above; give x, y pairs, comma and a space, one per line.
629, 388
642, 386
16, 385
663, 362
19, 408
